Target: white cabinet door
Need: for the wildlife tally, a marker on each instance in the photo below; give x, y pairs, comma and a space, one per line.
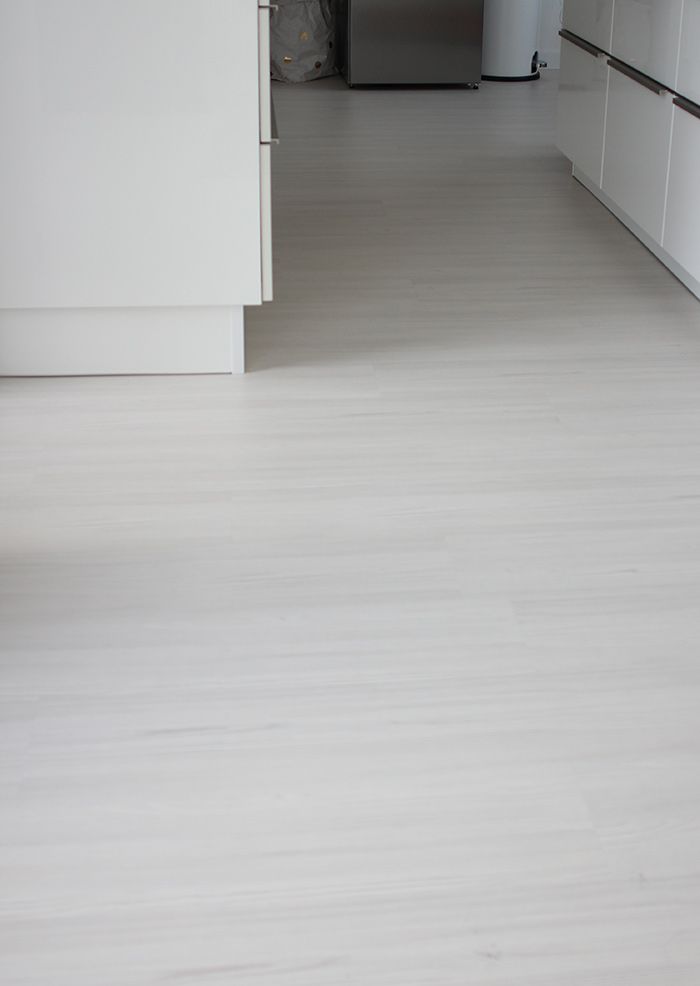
590, 20
682, 233
637, 148
689, 67
647, 34
583, 83
130, 170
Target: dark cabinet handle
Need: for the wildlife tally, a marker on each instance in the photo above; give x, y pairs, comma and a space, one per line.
636, 76
689, 107
580, 43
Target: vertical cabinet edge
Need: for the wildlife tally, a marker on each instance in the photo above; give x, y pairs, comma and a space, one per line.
266, 220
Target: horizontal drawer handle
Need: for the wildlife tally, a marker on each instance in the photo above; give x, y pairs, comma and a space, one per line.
580, 43
636, 76
685, 104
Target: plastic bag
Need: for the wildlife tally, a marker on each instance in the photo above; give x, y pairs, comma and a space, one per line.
302, 40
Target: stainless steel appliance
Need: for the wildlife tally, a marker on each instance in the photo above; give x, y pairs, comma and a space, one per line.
410, 42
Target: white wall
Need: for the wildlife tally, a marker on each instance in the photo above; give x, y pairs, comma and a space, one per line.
550, 24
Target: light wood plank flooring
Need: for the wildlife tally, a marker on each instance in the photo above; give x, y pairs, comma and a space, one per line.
381, 665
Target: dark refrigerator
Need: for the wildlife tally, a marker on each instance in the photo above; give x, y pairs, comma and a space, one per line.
410, 42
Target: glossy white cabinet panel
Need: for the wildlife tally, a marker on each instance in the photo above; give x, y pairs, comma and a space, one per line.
682, 233
130, 173
583, 82
590, 19
689, 64
646, 35
637, 147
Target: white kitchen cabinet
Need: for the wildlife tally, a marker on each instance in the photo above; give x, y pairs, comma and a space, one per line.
132, 180
682, 232
591, 20
648, 109
689, 64
637, 148
583, 83
646, 35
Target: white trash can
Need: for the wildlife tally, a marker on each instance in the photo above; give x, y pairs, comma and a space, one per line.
511, 30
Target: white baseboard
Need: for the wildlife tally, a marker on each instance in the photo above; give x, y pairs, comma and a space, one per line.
95, 341
692, 283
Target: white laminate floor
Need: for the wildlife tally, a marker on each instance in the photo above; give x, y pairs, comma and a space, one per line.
381, 665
